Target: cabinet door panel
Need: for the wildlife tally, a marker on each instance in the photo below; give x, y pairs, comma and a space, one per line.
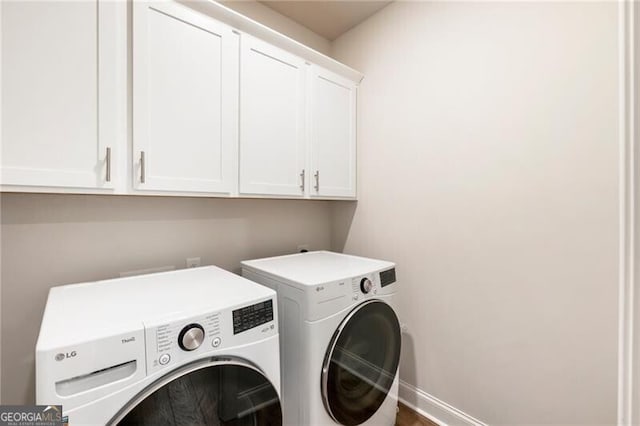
52, 99
185, 99
333, 135
271, 120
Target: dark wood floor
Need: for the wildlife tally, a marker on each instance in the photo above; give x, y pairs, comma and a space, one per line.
408, 417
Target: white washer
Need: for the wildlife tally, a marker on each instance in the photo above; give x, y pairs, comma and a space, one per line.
340, 337
196, 346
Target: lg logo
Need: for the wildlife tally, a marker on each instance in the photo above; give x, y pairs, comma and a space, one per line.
61, 356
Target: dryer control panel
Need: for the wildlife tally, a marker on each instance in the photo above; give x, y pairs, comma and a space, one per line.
387, 277
171, 341
330, 297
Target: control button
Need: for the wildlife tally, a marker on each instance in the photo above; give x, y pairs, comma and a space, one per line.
216, 342
164, 359
191, 337
366, 285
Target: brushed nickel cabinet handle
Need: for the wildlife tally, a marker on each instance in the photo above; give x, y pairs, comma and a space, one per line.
108, 161
302, 180
142, 168
317, 176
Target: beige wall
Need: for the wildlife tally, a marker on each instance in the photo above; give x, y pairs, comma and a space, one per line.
488, 172
50, 240
272, 19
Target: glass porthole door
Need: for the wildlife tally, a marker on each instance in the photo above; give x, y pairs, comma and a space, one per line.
212, 392
361, 363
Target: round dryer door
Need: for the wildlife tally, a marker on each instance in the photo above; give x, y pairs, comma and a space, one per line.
361, 363
208, 392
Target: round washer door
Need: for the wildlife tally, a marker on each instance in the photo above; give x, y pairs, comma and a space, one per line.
361, 363
212, 391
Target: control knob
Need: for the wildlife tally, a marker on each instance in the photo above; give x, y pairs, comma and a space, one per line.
366, 285
191, 337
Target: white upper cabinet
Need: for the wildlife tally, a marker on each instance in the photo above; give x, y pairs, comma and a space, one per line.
332, 134
272, 115
185, 100
59, 67
214, 103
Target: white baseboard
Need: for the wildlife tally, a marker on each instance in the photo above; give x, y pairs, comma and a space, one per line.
434, 409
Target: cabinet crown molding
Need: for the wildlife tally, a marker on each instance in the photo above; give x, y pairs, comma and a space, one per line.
256, 29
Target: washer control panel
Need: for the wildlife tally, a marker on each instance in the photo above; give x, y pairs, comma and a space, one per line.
191, 337
170, 342
252, 316
186, 336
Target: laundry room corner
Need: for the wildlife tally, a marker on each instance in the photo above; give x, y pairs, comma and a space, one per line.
320, 213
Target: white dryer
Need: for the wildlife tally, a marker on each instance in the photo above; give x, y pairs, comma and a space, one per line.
196, 346
340, 337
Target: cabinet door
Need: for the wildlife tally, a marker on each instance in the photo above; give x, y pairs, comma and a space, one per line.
58, 94
332, 134
185, 91
272, 114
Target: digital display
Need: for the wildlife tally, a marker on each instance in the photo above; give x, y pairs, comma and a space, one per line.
252, 316
387, 277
